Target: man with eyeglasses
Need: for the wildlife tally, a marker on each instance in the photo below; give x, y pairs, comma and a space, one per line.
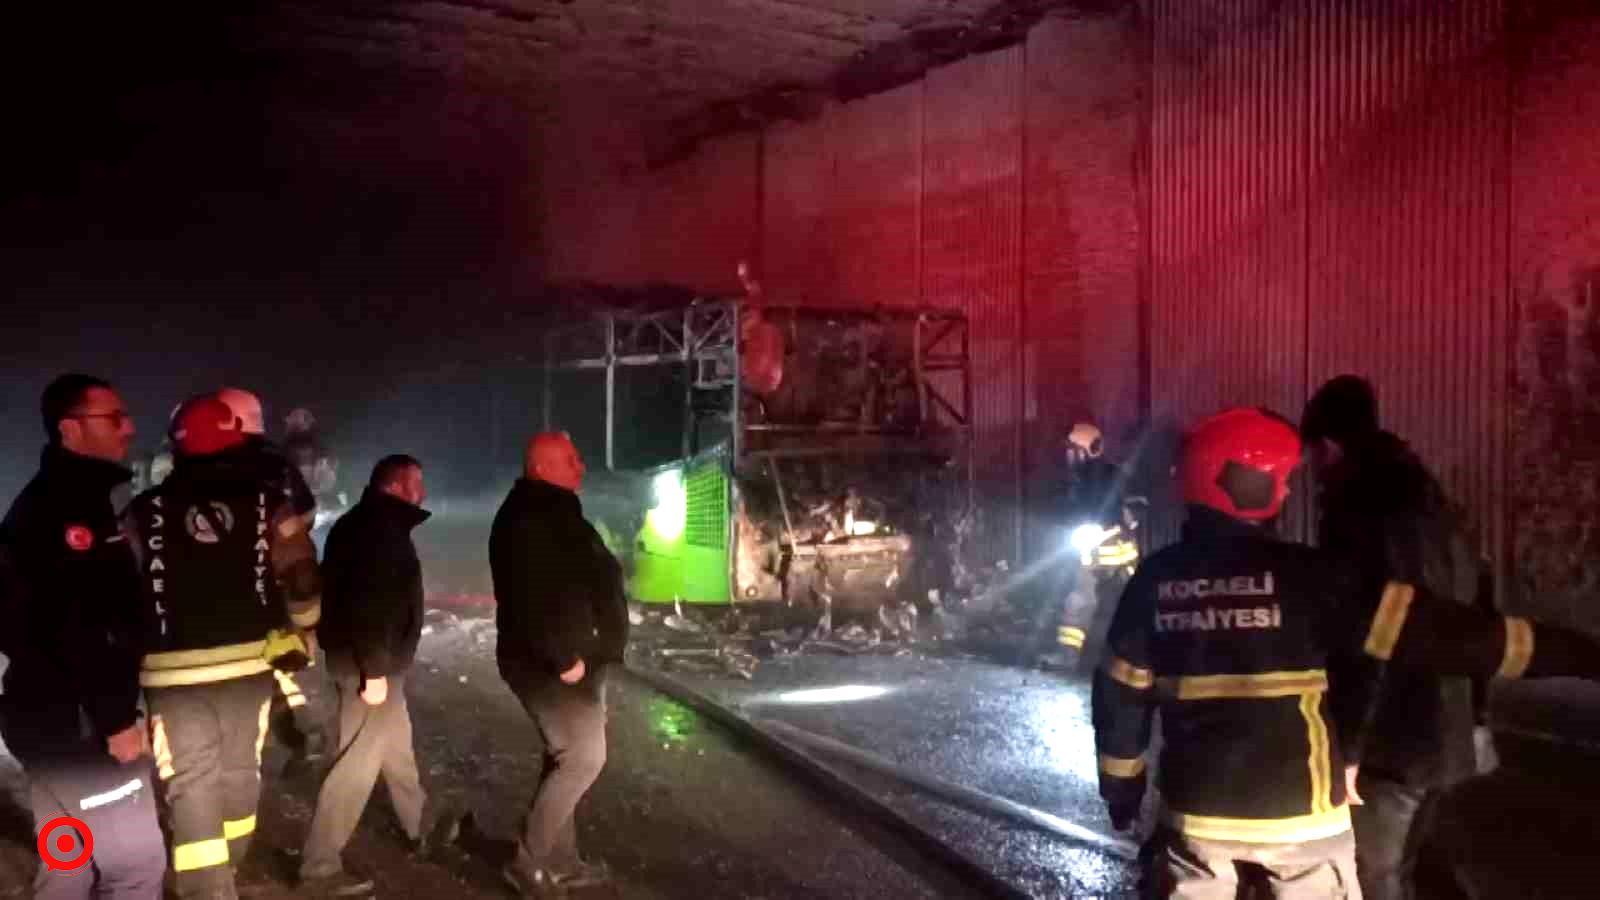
71, 701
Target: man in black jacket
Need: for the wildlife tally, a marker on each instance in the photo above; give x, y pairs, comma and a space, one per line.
371, 622
71, 702
1382, 510
562, 619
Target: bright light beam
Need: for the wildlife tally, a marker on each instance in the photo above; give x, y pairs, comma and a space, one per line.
846, 693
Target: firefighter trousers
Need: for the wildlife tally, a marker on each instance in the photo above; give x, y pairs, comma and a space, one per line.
116, 802
373, 740
1182, 867
208, 740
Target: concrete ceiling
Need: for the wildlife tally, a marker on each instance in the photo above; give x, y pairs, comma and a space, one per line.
679, 69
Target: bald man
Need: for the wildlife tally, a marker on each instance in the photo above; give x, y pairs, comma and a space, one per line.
562, 620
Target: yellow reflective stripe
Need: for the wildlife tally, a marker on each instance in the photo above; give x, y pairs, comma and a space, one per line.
286, 683
1519, 648
1071, 637
238, 828
261, 732
161, 748
1129, 674
187, 659
200, 855
1320, 759
1117, 554
1117, 767
1245, 687
1264, 831
1390, 620
203, 674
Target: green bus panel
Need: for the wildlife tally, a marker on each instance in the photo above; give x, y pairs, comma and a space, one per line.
683, 547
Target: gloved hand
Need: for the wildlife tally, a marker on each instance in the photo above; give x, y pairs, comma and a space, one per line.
374, 691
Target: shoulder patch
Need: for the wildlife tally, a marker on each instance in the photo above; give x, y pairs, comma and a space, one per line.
79, 537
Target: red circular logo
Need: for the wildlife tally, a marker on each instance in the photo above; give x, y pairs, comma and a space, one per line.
62, 850
79, 538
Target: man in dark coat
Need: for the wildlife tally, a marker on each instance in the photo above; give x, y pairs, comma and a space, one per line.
70, 592
372, 621
562, 620
1382, 510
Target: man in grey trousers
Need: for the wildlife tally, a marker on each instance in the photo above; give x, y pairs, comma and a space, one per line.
563, 620
372, 621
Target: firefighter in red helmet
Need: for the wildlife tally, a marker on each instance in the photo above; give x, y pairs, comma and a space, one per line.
1265, 660
230, 585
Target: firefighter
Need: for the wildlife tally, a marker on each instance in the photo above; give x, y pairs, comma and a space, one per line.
292, 719
1087, 504
319, 468
231, 584
1265, 659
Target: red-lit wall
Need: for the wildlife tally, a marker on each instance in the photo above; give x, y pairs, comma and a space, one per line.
1207, 203
1003, 185
1554, 276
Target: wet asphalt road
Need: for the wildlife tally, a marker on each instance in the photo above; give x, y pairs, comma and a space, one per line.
1024, 735
1527, 832
684, 810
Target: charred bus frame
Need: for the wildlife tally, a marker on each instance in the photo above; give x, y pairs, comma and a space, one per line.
703, 340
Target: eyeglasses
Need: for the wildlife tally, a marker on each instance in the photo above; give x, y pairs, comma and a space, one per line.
117, 418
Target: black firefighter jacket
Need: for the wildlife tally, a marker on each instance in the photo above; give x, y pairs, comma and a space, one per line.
1265, 661
224, 560
372, 584
1387, 515
69, 593
558, 590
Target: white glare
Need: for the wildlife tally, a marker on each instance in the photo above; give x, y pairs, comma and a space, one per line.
843, 694
1086, 537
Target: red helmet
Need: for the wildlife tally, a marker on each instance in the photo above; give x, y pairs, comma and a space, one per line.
205, 425
1238, 462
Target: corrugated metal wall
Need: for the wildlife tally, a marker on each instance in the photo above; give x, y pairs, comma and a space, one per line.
972, 256
1082, 224
876, 198
1228, 152
701, 217
600, 240
1329, 195
1554, 492
797, 255
1408, 228
1331, 188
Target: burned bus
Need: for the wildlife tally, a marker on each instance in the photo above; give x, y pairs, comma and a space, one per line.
762, 454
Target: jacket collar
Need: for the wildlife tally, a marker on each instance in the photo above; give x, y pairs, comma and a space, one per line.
95, 474
231, 464
1207, 524
543, 493
390, 508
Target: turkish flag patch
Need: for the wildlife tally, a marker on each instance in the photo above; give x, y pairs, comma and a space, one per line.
79, 538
